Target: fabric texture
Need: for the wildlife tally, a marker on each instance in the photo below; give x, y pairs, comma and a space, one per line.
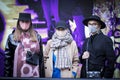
102, 56
56, 72
21, 68
50, 57
59, 44
10, 48
74, 74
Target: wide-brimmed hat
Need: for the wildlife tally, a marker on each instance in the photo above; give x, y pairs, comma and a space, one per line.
24, 16
96, 18
61, 24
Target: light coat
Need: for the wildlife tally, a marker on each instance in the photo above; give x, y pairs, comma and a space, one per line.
73, 54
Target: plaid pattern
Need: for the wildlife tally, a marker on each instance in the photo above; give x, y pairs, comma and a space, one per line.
59, 45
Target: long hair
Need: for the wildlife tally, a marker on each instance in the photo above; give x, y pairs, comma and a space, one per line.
18, 32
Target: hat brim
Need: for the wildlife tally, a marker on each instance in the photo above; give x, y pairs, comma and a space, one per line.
85, 22
61, 27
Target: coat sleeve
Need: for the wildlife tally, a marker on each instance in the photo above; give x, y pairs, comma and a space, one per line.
47, 49
83, 50
41, 59
75, 60
110, 57
9, 53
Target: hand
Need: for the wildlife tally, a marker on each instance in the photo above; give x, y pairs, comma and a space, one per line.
86, 55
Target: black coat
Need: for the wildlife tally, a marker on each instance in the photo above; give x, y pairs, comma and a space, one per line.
9, 56
102, 56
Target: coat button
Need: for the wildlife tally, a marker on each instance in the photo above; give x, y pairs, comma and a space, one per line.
45, 67
69, 69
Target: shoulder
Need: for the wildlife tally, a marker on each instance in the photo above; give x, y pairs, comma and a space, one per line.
49, 42
37, 34
106, 39
11, 40
73, 43
10, 36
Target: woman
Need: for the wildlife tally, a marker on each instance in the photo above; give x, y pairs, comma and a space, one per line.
23, 51
61, 54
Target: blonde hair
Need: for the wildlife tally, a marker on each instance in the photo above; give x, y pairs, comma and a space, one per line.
18, 32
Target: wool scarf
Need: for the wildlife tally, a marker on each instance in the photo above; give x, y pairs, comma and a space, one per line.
60, 45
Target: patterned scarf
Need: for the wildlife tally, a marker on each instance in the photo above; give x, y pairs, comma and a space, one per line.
59, 45
21, 68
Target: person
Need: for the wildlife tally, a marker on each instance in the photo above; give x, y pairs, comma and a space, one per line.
97, 51
23, 50
61, 53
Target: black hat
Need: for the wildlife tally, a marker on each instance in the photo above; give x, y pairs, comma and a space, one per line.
96, 18
61, 24
24, 16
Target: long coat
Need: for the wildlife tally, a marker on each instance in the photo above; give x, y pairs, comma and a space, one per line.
9, 55
102, 56
73, 55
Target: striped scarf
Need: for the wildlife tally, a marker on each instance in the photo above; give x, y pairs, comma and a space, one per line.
59, 45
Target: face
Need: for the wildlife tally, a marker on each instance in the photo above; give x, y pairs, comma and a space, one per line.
24, 25
93, 26
61, 32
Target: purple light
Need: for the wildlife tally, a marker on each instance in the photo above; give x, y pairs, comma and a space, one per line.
50, 8
2, 28
79, 34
